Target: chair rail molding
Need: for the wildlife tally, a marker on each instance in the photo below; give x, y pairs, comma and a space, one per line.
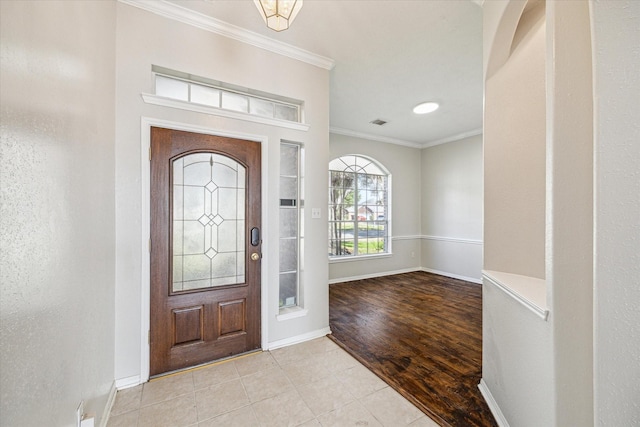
452, 239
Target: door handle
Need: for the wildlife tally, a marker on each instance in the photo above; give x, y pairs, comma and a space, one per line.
255, 236
255, 256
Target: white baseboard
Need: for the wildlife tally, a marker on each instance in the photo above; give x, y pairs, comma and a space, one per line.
492, 404
107, 409
406, 270
128, 382
453, 276
299, 338
372, 275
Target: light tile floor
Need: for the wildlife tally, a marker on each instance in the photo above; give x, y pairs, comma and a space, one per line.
315, 383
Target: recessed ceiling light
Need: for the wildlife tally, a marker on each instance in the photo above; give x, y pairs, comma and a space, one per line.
425, 107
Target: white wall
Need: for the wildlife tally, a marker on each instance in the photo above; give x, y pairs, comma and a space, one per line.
616, 43
517, 361
451, 206
145, 39
57, 229
514, 158
517, 348
569, 224
592, 228
403, 163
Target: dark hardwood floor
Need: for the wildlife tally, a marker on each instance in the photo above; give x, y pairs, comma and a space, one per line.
422, 334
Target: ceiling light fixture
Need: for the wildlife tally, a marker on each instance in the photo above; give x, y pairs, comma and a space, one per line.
426, 107
278, 14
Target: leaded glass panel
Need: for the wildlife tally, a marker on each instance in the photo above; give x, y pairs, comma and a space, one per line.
208, 208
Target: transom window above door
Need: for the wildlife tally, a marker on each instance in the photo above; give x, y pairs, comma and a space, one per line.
359, 213
221, 96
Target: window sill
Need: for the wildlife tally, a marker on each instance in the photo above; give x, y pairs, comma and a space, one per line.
528, 291
189, 106
335, 260
291, 313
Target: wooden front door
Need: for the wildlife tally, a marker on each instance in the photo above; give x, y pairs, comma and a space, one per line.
205, 248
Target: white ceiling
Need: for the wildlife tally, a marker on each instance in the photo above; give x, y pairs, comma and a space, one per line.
389, 56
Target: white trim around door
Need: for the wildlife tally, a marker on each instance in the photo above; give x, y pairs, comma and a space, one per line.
145, 180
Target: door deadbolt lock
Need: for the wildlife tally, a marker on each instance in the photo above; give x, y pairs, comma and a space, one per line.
255, 256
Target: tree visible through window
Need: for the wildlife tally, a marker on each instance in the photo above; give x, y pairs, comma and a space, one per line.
358, 207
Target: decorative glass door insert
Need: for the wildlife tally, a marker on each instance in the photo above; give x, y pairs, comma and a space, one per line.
208, 221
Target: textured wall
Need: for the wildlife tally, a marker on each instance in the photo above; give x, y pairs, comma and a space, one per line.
57, 217
616, 50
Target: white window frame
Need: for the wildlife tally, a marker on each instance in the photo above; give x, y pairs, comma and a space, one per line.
288, 312
388, 217
189, 79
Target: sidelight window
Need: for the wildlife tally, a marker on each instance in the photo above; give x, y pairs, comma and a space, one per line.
291, 205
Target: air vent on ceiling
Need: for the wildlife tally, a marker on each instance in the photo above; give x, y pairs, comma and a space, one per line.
378, 122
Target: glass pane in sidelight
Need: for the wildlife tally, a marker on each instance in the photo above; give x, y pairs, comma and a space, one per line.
288, 188
288, 222
288, 255
288, 289
289, 160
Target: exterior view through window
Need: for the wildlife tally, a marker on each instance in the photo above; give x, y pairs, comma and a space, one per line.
358, 207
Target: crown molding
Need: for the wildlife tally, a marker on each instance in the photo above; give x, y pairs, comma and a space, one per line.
452, 138
208, 23
347, 132
457, 137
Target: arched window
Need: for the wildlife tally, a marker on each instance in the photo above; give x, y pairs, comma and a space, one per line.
359, 201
